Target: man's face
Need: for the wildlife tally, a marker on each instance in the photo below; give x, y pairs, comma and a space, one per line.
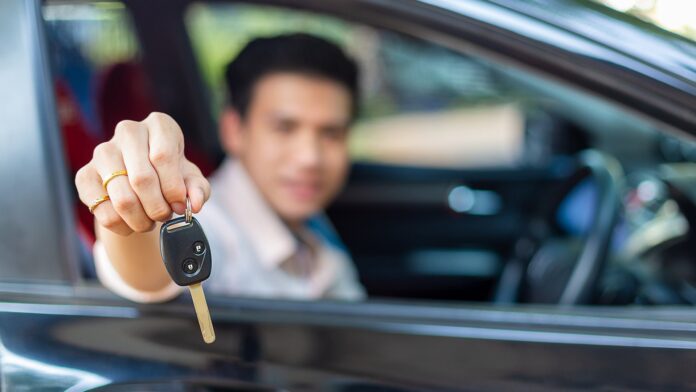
293, 142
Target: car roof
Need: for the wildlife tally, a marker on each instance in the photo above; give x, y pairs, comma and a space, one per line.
622, 32
640, 41
649, 71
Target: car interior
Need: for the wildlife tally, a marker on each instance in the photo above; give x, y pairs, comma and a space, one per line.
473, 179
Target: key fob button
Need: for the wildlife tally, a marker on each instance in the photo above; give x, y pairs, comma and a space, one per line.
198, 248
185, 251
190, 266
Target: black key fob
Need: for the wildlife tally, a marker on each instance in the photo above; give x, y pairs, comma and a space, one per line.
185, 251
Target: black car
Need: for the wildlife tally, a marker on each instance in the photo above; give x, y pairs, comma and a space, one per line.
520, 211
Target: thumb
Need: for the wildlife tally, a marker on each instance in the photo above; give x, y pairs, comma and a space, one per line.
197, 187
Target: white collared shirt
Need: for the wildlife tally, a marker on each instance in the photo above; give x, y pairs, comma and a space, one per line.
253, 250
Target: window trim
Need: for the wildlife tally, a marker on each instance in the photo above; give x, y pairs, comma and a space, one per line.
38, 207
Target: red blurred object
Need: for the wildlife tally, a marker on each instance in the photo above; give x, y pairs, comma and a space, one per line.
78, 141
123, 93
79, 144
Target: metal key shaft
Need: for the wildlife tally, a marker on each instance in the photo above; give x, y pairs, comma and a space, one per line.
202, 312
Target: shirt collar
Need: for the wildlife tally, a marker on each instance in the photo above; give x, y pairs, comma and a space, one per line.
269, 235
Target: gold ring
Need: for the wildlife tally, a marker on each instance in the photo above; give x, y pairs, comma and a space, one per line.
112, 176
98, 201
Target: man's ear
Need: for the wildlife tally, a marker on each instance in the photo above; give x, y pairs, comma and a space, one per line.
230, 131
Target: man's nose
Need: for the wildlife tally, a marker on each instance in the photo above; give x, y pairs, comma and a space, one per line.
308, 152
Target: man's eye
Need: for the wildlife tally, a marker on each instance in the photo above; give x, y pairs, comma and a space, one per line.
285, 127
334, 132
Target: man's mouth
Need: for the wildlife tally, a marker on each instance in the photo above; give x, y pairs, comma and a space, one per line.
302, 190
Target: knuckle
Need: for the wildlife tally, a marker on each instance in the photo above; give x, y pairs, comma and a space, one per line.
122, 230
173, 191
143, 226
159, 117
142, 180
125, 203
154, 116
81, 176
161, 156
125, 127
167, 124
111, 221
161, 212
102, 150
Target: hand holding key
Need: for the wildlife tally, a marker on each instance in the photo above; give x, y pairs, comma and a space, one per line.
140, 176
186, 255
134, 180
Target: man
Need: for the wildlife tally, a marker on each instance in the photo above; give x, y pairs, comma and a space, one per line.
291, 101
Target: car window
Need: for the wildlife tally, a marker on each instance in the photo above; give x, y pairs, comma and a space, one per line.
427, 106
424, 106
449, 109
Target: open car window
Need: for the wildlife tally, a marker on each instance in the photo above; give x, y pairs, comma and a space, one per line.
454, 153
427, 106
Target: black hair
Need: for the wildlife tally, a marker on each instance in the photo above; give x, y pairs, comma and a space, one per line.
298, 52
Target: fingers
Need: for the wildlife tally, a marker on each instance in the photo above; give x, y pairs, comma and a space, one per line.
197, 186
132, 138
166, 155
159, 176
89, 187
108, 159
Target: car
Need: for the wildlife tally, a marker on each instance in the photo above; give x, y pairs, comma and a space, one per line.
520, 210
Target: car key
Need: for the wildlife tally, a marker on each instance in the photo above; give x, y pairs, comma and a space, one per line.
186, 256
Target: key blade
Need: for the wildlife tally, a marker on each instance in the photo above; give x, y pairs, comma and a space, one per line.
202, 312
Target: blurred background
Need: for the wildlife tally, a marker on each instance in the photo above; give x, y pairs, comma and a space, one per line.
673, 15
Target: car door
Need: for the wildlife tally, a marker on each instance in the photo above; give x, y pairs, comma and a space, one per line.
61, 332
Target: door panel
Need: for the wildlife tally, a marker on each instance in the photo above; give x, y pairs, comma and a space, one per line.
58, 343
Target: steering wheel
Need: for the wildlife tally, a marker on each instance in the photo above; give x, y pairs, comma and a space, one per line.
549, 269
